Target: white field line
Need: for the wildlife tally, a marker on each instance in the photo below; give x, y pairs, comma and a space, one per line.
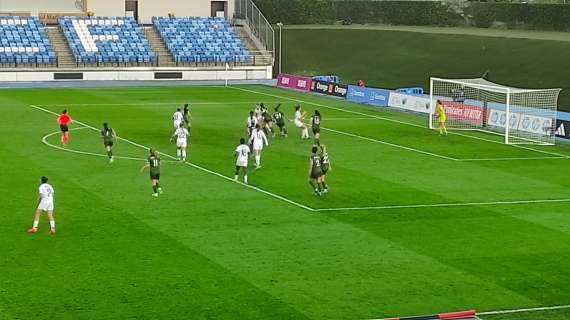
174, 103
390, 144
512, 145
349, 119
44, 140
514, 158
276, 196
444, 205
488, 313
392, 120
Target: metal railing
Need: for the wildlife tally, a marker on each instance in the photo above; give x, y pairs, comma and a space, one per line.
260, 28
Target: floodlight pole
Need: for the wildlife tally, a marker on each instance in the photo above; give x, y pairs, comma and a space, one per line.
280, 25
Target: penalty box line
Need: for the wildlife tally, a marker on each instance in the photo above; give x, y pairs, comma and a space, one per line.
408, 124
190, 103
271, 194
444, 205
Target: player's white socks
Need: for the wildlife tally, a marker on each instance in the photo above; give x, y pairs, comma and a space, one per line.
257, 161
178, 153
305, 134
245, 179
36, 223
236, 177
183, 154
52, 224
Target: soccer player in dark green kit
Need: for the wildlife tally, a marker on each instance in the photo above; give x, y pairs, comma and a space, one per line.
326, 167
280, 121
109, 137
316, 125
154, 165
316, 172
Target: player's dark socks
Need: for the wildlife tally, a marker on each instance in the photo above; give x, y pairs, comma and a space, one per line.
313, 184
325, 186
155, 188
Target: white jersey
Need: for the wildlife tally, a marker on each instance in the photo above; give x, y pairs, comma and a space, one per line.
258, 138
298, 118
177, 119
181, 137
251, 122
46, 197
242, 152
177, 116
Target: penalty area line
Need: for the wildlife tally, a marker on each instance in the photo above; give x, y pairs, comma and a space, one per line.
537, 309
444, 205
390, 144
271, 194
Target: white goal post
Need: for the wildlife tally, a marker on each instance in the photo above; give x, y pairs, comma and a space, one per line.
522, 116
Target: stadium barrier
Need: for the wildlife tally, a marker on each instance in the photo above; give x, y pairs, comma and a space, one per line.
469, 111
371, 96
563, 129
294, 82
329, 88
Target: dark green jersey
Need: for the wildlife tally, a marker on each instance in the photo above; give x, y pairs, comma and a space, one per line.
316, 121
325, 161
107, 135
279, 118
316, 169
266, 116
154, 163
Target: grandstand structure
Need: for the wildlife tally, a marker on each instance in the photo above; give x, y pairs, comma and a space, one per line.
136, 40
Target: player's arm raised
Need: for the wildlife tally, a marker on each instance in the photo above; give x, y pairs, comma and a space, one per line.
144, 167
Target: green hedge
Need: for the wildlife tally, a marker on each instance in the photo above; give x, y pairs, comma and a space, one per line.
532, 16
386, 12
480, 14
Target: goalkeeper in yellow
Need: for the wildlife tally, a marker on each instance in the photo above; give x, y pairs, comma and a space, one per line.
441, 117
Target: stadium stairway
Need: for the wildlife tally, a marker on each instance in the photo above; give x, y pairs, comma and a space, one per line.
246, 40
165, 59
61, 48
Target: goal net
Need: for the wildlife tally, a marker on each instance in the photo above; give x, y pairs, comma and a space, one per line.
522, 116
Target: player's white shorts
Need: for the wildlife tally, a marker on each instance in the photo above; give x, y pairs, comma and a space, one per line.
241, 163
181, 143
258, 146
46, 205
177, 124
298, 123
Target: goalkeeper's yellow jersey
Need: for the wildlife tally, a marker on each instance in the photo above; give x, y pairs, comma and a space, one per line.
441, 113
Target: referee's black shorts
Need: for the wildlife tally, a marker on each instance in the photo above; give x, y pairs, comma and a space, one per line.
63, 128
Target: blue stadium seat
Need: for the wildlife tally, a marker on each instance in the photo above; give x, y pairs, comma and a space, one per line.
206, 40
107, 40
23, 40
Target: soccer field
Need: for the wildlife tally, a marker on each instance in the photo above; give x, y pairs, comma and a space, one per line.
414, 223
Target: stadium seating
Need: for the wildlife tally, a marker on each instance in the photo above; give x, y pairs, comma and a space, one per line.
201, 40
107, 40
24, 41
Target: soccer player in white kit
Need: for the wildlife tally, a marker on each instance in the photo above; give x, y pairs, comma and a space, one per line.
299, 116
177, 118
242, 156
258, 138
181, 135
45, 200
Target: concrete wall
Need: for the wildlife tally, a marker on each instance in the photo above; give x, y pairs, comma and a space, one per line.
238, 73
146, 8
180, 8
106, 7
35, 6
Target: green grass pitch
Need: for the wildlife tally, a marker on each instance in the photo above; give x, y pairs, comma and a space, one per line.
459, 222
